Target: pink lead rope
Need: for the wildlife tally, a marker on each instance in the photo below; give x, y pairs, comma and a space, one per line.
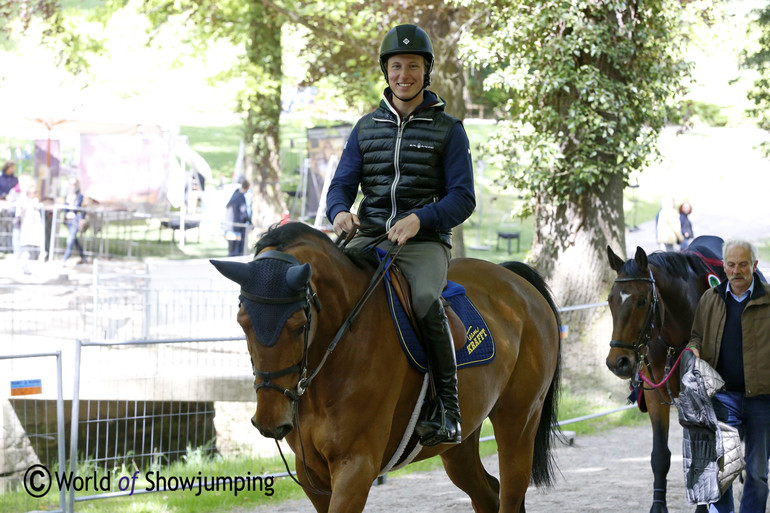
665, 379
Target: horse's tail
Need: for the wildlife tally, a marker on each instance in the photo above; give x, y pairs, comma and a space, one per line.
543, 462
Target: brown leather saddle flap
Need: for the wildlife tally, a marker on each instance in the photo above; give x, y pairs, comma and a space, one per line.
403, 292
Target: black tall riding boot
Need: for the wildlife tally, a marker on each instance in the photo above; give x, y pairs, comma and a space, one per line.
440, 422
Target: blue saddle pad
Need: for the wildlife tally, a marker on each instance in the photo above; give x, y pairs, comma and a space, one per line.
479, 347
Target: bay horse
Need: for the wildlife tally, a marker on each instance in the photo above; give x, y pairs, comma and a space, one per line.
344, 402
653, 302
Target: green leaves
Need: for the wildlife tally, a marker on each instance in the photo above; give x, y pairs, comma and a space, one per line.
588, 83
759, 60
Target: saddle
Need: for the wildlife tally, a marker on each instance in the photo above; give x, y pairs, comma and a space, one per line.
473, 341
709, 249
402, 292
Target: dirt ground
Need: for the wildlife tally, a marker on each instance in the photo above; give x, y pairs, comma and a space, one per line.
608, 472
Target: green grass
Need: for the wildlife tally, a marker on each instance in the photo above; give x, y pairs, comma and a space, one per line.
195, 464
572, 406
217, 144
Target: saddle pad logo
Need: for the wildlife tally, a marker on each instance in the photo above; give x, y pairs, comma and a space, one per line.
475, 335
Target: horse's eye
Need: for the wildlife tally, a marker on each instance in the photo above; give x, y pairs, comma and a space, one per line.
641, 302
299, 331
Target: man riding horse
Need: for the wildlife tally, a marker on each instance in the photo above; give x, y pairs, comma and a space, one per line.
412, 162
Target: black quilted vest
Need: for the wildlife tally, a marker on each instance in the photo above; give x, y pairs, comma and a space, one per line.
402, 167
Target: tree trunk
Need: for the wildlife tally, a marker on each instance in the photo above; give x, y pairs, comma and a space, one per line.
570, 250
262, 117
570, 242
448, 77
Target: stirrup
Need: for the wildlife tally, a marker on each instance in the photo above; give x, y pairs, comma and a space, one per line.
432, 426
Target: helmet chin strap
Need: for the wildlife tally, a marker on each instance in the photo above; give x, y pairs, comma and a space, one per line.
410, 99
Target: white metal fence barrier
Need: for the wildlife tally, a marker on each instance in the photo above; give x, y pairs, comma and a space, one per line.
141, 405
113, 233
32, 445
114, 307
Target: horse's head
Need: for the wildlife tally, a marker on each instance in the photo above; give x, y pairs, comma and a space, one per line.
277, 301
633, 304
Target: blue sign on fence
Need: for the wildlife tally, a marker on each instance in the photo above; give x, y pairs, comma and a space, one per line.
27, 387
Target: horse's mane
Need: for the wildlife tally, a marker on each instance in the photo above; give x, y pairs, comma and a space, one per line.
283, 236
677, 264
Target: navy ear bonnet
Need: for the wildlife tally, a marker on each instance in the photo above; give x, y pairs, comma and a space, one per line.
273, 286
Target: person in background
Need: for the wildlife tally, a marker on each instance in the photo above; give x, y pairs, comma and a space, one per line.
412, 162
669, 231
684, 221
8, 180
9, 189
237, 219
731, 332
29, 218
73, 217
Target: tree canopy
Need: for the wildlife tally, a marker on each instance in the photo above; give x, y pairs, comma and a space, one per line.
759, 60
588, 82
588, 85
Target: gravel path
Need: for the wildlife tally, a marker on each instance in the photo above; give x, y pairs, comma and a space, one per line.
608, 472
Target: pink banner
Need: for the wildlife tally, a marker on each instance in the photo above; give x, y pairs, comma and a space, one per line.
125, 171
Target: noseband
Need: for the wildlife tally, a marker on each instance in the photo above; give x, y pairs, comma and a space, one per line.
649, 323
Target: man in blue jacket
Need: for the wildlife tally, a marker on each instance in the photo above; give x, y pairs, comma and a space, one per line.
412, 162
237, 219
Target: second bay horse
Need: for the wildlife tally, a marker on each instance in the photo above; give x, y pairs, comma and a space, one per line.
653, 304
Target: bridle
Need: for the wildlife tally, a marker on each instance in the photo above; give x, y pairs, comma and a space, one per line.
310, 297
654, 314
645, 335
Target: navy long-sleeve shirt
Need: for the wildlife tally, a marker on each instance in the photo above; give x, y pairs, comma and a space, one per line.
450, 211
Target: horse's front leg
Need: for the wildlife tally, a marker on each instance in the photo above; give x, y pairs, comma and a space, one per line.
352, 479
661, 455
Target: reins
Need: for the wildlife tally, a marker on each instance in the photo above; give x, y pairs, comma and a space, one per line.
378, 276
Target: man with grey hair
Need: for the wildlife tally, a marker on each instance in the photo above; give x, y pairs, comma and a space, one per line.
731, 331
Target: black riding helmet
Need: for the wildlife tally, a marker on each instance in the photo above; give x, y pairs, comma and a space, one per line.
407, 39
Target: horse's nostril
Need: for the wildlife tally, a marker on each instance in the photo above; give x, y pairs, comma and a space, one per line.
621, 366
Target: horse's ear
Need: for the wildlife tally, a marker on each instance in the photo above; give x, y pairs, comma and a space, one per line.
298, 275
641, 258
615, 261
236, 271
